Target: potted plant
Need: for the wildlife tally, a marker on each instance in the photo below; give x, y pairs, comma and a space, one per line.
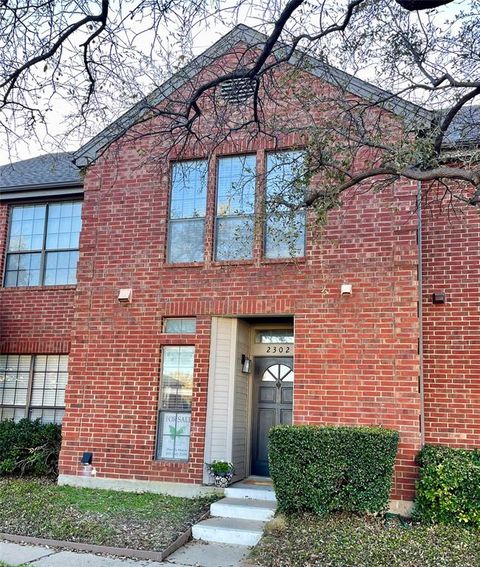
222, 471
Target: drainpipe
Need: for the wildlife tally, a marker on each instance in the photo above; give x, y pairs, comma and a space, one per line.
420, 312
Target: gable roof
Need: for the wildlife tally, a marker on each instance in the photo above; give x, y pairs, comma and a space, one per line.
252, 38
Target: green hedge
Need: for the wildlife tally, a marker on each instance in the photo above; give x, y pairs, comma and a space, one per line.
29, 448
327, 469
448, 491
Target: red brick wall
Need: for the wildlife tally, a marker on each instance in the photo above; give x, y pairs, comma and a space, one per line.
35, 319
451, 260
356, 358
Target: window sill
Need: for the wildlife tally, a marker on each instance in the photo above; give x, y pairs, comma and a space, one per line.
39, 288
295, 260
184, 265
221, 263
170, 462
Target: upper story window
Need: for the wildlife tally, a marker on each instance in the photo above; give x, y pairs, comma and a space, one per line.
42, 244
234, 224
235, 208
284, 226
188, 204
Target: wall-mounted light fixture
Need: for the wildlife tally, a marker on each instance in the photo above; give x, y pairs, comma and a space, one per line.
346, 289
246, 362
125, 295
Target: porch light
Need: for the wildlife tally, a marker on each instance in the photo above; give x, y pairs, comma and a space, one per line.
245, 364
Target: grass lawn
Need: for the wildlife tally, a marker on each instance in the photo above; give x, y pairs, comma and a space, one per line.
345, 541
103, 517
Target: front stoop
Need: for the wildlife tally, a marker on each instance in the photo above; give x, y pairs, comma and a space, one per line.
240, 517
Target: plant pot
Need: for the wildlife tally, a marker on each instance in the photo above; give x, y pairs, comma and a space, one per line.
221, 481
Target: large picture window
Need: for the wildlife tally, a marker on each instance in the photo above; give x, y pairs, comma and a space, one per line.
176, 383
187, 211
284, 227
33, 386
42, 244
235, 208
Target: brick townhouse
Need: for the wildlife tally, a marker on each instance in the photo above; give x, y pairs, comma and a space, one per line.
130, 312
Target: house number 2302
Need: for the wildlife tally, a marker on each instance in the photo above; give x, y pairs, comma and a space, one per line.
278, 349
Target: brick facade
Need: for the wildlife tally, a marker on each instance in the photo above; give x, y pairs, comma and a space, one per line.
356, 357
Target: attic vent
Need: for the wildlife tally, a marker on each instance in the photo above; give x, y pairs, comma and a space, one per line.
237, 90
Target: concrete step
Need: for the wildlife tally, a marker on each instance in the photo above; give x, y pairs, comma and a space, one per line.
245, 509
254, 492
229, 530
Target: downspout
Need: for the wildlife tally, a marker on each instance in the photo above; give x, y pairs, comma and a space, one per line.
420, 313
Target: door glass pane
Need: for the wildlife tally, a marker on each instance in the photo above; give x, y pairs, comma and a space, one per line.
271, 336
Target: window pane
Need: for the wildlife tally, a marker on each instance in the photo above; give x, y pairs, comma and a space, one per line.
64, 224
61, 268
47, 415
174, 440
285, 227
235, 208
185, 243
236, 186
48, 391
11, 413
14, 377
175, 396
22, 270
26, 228
234, 238
179, 326
189, 189
285, 235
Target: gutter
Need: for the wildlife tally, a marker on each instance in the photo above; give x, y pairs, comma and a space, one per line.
41, 190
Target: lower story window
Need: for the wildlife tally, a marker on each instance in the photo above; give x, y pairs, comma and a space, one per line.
175, 407
33, 386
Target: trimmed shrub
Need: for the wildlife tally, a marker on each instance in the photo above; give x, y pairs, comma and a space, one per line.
329, 469
448, 491
29, 448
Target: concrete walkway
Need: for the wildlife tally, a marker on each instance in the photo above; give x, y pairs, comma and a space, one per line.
193, 554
